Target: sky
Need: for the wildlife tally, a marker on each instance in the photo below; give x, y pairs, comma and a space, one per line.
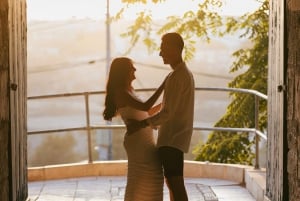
96, 9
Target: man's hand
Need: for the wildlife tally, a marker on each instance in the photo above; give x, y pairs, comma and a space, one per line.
132, 126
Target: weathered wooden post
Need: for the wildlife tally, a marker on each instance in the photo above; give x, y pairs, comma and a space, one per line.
276, 90
13, 131
283, 167
292, 113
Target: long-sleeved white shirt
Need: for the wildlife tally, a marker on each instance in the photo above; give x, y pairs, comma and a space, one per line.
177, 114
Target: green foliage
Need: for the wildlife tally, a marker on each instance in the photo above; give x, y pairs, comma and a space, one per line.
140, 1
141, 29
251, 62
192, 26
236, 148
226, 148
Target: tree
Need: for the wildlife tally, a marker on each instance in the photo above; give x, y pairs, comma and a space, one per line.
221, 147
227, 147
55, 149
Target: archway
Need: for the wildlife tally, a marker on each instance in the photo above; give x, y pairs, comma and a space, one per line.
283, 86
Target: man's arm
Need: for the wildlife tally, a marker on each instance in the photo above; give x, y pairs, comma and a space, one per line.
135, 125
172, 97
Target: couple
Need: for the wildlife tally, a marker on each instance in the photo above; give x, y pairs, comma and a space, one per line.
149, 162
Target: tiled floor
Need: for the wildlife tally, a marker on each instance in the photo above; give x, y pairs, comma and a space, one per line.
112, 189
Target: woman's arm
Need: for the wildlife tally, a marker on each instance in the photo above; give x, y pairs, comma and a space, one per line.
125, 98
150, 102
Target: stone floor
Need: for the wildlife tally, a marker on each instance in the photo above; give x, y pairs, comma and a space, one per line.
111, 188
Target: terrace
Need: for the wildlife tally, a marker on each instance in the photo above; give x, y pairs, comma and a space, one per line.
105, 180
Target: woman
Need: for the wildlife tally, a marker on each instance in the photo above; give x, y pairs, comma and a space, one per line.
144, 175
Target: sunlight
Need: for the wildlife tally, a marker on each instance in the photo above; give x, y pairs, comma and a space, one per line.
96, 9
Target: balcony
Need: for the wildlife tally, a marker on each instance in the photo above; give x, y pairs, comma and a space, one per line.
105, 180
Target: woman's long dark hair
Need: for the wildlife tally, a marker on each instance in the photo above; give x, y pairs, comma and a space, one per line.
118, 79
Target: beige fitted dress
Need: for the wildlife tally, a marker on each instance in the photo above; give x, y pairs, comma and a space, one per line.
144, 176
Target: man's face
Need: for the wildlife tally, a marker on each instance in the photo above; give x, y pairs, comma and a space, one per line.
166, 52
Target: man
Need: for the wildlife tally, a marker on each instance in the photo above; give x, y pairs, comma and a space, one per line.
175, 117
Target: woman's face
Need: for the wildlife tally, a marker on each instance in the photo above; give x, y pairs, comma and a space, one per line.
131, 75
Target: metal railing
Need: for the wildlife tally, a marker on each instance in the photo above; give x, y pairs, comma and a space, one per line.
88, 127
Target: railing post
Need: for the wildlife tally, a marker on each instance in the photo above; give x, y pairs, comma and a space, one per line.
88, 127
257, 138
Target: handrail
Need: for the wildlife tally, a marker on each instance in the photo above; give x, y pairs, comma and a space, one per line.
118, 126
249, 91
90, 127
